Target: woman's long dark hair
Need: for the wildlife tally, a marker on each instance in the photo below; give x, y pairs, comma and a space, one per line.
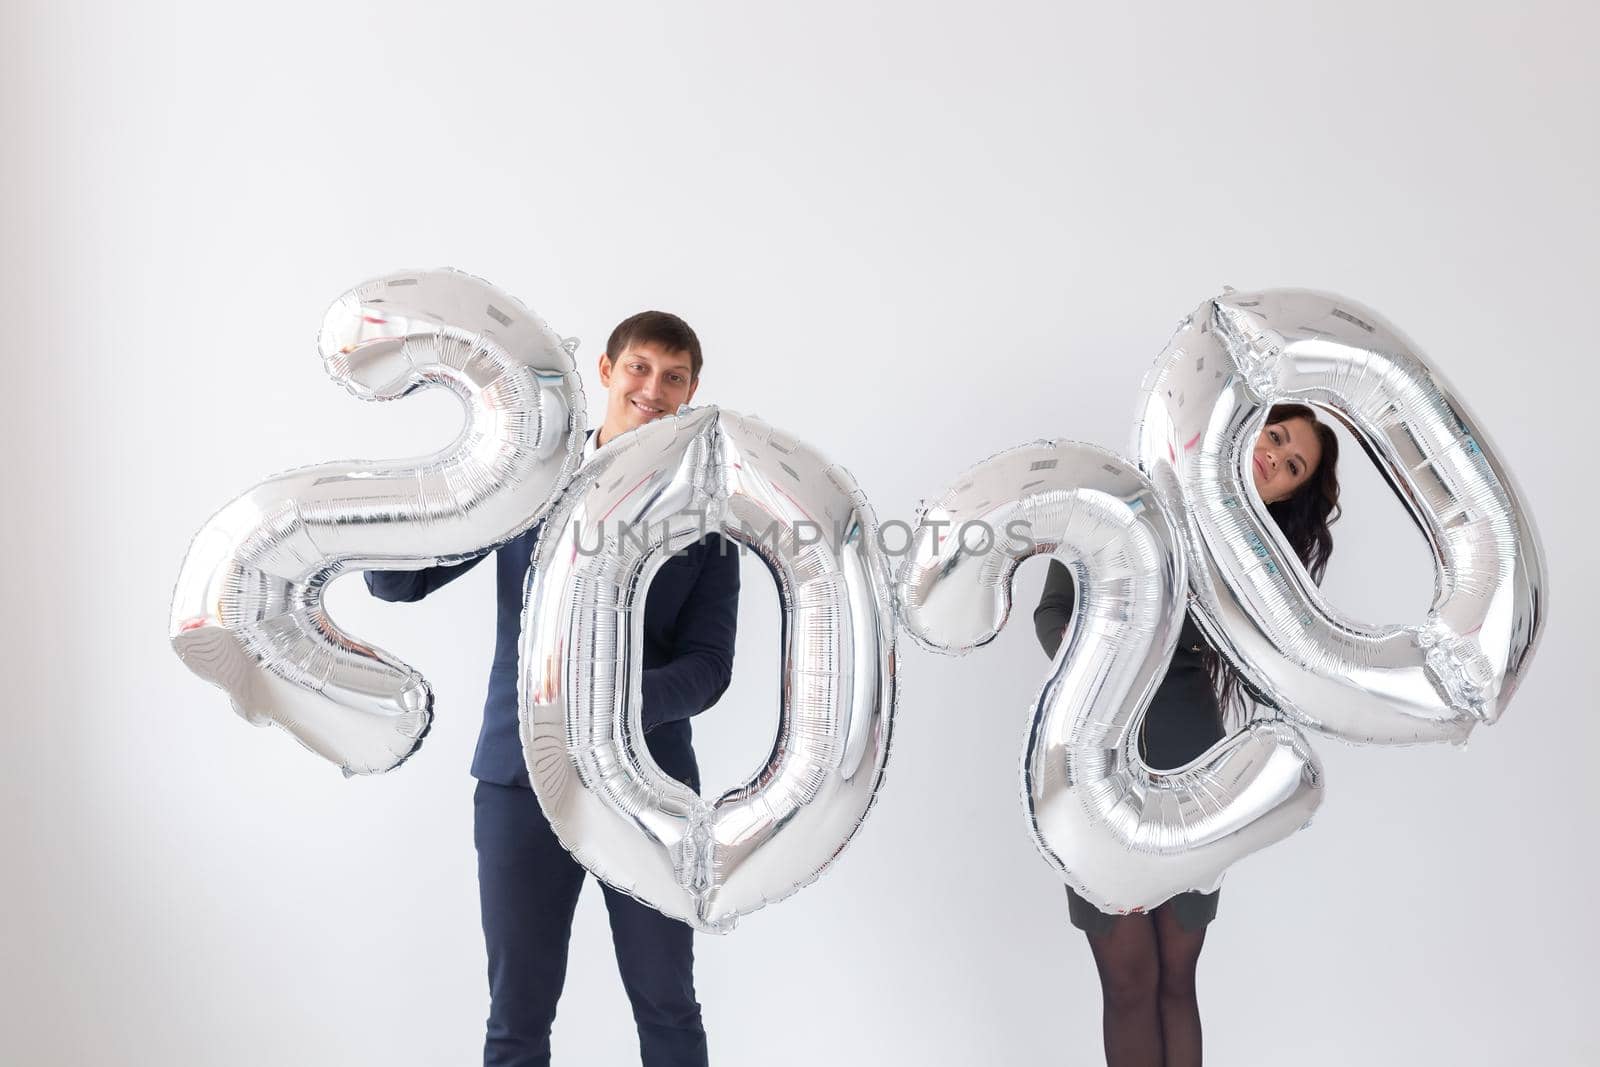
1304, 519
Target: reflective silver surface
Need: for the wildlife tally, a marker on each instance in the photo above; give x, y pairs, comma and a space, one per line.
643, 496
247, 614
1124, 836
1204, 405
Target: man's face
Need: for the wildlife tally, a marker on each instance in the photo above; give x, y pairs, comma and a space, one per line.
644, 383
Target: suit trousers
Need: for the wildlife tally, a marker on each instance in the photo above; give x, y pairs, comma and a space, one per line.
528, 885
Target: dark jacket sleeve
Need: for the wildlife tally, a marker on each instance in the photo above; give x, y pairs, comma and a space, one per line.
702, 650
1055, 607
414, 585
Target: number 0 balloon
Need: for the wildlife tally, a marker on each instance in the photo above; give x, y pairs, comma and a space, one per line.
643, 496
1203, 407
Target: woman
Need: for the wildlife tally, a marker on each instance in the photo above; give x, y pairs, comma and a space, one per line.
1147, 961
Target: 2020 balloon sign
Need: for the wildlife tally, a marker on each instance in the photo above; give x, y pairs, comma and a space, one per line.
1183, 526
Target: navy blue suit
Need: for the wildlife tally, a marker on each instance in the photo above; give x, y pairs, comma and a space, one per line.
528, 884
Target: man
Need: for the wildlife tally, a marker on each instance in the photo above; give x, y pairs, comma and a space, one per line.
528, 884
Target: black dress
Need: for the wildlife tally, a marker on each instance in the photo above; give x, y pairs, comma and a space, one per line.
1183, 720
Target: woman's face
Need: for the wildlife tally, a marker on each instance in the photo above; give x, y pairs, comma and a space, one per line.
1286, 456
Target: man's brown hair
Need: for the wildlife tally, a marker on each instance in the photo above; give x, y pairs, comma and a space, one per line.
658, 328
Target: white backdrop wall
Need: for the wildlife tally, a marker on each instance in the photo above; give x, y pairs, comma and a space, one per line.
913, 234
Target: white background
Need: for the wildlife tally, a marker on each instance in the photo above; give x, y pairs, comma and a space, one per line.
913, 234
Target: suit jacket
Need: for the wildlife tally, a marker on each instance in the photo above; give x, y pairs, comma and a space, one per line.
1183, 719
690, 615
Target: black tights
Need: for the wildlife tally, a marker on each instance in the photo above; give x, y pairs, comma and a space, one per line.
1147, 966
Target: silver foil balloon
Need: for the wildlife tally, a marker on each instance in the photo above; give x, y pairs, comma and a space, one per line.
642, 497
1204, 405
248, 611
1124, 836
